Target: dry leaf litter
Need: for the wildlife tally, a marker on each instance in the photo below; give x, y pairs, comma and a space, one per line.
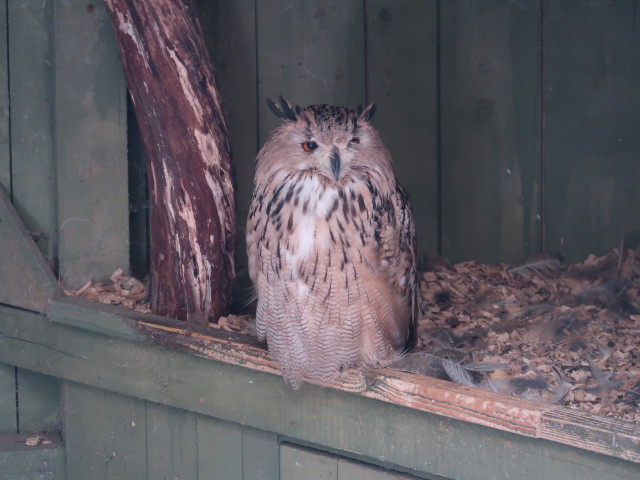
567, 335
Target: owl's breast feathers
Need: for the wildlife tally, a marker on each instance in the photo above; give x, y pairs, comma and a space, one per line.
334, 269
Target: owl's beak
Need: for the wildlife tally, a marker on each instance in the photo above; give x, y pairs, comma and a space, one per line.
335, 165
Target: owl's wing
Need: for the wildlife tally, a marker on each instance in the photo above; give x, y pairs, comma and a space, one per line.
395, 236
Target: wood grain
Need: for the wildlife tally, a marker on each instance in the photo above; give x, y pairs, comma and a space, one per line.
38, 402
26, 280
219, 448
32, 60
229, 27
8, 420
592, 115
5, 139
402, 81
383, 432
490, 87
172, 448
19, 461
91, 145
105, 434
298, 462
293, 44
178, 106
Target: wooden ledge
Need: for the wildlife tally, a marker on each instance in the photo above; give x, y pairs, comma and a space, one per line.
533, 419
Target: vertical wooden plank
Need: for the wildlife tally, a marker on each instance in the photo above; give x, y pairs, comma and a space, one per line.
311, 52
171, 443
402, 80
31, 63
302, 463
21, 462
348, 470
592, 112
5, 140
8, 420
105, 434
490, 84
93, 211
38, 402
219, 449
260, 455
230, 34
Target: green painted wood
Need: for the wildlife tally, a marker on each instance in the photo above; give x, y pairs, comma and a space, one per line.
8, 420
105, 434
219, 449
229, 29
592, 129
490, 84
5, 140
25, 278
299, 463
31, 63
402, 81
106, 319
38, 402
356, 471
260, 455
311, 52
352, 425
91, 156
172, 449
21, 462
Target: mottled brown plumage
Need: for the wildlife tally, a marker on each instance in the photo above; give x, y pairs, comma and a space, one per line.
331, 246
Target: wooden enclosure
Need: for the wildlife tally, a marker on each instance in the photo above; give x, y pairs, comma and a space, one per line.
514, 126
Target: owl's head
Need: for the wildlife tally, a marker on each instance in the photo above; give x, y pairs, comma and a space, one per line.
321, 139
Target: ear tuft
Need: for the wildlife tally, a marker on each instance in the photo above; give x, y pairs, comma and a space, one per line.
368, 113
284, 110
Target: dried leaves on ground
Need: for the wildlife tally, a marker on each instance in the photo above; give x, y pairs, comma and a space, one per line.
543, 331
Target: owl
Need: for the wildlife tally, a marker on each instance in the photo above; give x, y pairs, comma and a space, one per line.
331, 245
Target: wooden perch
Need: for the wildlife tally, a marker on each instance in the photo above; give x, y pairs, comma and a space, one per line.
192, 219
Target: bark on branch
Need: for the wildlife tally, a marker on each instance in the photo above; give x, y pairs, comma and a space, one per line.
192, 216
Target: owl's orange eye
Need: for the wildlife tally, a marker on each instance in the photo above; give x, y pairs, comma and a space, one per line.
309, 146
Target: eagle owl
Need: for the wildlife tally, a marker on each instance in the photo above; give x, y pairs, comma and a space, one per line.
331, 245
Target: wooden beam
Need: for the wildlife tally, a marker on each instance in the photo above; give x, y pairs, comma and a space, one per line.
26, 281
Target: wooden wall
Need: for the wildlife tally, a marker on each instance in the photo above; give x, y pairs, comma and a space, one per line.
513, 125
63, 137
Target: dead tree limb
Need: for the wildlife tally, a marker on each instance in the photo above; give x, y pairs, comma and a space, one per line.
177, 104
